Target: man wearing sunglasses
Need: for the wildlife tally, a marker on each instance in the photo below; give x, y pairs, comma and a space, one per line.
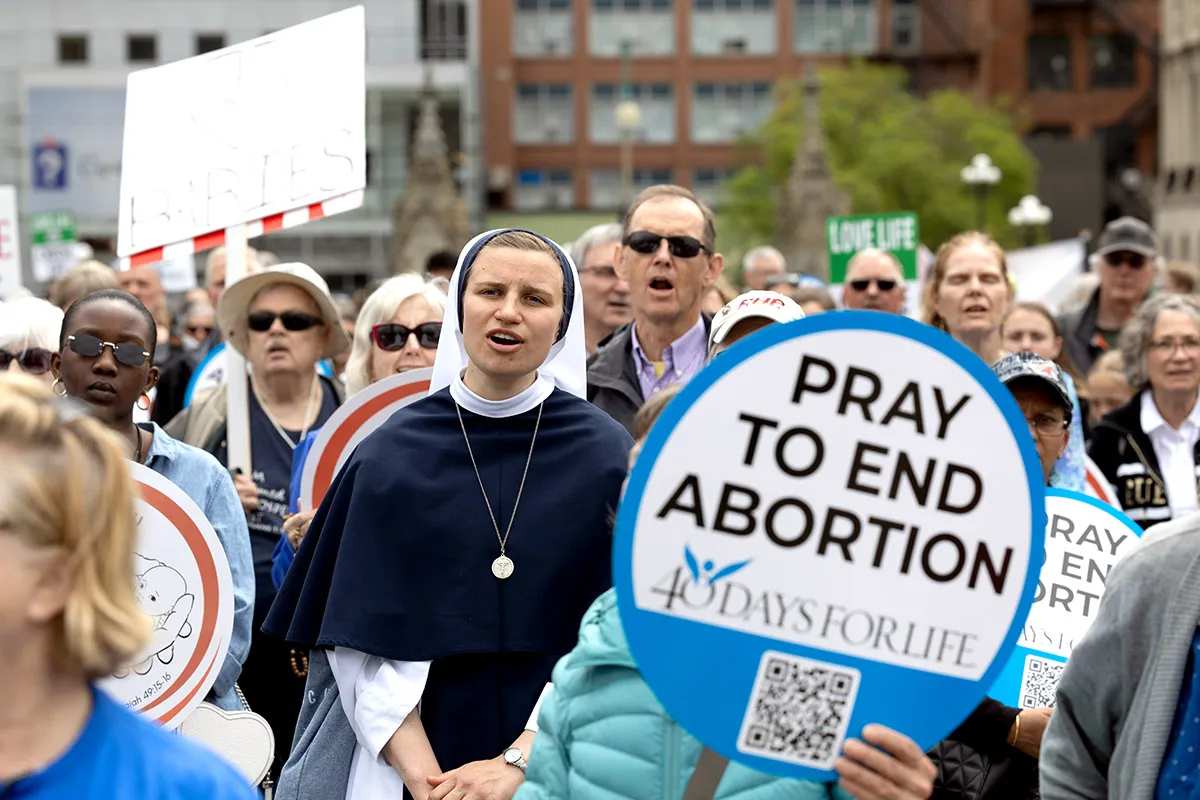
874, 282
760, 265
667, 255
1127, 260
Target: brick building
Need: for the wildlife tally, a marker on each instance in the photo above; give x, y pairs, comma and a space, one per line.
551, 73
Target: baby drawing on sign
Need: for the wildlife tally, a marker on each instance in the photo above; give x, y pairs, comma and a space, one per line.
163, 595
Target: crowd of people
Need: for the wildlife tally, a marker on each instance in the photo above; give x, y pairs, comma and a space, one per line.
443, 625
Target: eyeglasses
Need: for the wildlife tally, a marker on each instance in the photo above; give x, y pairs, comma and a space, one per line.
862, 284
645, 242
1132, 260
1046, 426
606, 272
261, 321
35, 361
1166, 347
127, 353
775, 280
391, 337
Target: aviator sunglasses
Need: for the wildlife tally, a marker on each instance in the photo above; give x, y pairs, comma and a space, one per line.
127, 353
645, 242
35, 361
261, 321
884, 284
390, 337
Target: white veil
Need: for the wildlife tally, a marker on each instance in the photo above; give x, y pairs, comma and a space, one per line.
566, 365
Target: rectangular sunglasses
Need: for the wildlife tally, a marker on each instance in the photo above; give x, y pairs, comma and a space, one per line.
884, 284
390, 336
261, 321
645, 242
35, 361
88, 346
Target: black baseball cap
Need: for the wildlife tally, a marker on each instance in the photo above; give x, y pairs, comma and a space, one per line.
1030, 366
1127, 234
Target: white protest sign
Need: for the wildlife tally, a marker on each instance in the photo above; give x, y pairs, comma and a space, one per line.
816, 537
1085, 538
261, 129
184, 585
355, 420
10, 244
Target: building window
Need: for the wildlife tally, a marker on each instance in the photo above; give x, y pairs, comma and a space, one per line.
837, 26
544, 190
141, 47
906, 26
733, 27
724, 112
208, 42
543, 29
1049, 63
72, 49
649, 25
444, 30
544, 114
605, 185
709, 185
657, 104
1114, 61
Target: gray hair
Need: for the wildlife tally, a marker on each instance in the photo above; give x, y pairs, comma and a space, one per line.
30, 323
1137, 333
874, 252
605, 233
380, 307
759, 253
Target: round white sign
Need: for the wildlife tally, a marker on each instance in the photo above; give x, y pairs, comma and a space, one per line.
185, 587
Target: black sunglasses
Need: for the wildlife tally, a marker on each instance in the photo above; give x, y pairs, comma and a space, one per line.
646, 242
261, 321
391, 337
127, 353
1134, 260
35, 361
862, 284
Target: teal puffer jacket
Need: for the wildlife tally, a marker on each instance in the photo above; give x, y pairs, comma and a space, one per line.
602, 734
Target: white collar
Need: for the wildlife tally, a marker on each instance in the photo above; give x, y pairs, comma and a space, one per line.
527, 400
1152, 419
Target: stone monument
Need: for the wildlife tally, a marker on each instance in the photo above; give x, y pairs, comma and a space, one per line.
810, 194
430, 214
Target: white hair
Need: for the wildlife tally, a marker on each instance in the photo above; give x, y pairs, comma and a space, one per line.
30, 322
605, 233
758, 254
380, 307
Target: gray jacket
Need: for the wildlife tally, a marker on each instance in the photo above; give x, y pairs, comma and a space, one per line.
612, 380
1116, 701
322, 753
1078, 328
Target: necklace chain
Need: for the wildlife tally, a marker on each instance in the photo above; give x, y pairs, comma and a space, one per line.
313, 394
503, 540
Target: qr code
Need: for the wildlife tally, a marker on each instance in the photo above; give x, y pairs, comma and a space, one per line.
799, 710
1039, 682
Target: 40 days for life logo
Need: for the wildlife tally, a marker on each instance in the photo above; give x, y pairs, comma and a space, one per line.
838, 522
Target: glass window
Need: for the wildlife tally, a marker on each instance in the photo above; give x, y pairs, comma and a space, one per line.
1049, 63
208, 42
543, 29
648, 25
724, 112
544, 114
541, 190
141, 47
1114, 61
656, 102
836, 26
72, 49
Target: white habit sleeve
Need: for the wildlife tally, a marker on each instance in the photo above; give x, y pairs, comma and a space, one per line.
377, 694
532, 725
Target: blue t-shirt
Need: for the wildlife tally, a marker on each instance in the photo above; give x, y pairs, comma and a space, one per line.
120, 756
1179, 777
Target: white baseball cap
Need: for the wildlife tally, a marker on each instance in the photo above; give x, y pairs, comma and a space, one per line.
758, 304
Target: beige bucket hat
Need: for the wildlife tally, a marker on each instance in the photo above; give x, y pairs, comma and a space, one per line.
234, 305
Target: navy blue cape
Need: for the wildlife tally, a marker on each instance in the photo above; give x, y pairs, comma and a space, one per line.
397, 561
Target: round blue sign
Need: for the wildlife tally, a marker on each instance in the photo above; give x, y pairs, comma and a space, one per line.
838, 522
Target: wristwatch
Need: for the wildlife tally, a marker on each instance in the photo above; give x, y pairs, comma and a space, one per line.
514, 757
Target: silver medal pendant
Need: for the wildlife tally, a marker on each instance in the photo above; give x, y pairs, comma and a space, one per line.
502, 567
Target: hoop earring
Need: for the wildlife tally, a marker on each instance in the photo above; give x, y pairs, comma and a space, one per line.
58, 384
142, 397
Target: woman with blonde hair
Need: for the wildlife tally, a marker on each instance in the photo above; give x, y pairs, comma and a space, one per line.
69, 616
85, 278
968, 293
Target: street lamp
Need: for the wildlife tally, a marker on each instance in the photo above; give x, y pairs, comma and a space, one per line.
629, 116
1030, 215
981, 175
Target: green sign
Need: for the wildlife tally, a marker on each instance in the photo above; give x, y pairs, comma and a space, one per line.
50, 227
897, 233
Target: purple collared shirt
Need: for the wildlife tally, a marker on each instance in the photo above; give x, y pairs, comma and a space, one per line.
682, 359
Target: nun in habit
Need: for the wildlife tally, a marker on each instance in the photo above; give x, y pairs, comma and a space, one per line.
455, 554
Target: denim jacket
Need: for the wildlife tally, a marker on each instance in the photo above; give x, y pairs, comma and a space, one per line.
207, 483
